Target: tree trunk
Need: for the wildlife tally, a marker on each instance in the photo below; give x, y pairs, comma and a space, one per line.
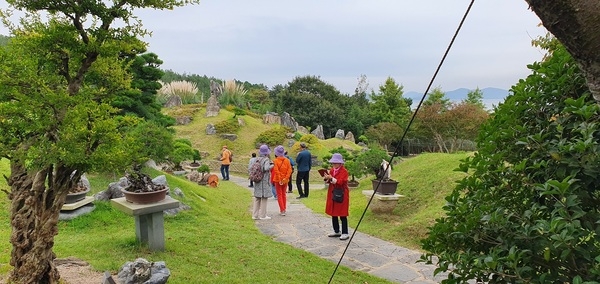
35, 207
575, 23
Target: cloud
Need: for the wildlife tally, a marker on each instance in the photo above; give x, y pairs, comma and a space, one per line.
273, 41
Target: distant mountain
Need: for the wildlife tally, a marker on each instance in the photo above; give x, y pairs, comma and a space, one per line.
491, 96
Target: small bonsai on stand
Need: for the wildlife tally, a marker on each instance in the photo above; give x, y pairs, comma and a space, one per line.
372, 160
141, 182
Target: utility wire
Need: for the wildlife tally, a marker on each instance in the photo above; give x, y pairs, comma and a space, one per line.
399, 144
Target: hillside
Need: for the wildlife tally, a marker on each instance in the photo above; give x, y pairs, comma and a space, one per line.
245, 144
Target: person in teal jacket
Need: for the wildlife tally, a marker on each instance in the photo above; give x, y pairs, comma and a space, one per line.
303, 163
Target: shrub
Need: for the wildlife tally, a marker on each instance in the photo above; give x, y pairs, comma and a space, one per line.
272, 137
187, 91
310, 139
529, 211
227, 126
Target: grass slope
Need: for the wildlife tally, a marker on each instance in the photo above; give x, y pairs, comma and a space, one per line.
214, 242
424, 181
245, 144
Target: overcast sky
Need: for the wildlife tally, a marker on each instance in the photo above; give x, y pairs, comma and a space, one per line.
273, 41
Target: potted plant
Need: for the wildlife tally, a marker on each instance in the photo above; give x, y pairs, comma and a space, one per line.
77, 192
372, 161
355, 171
197, 157
141, 189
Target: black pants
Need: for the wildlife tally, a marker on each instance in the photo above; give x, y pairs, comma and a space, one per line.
302, 177
290, 181
336, 224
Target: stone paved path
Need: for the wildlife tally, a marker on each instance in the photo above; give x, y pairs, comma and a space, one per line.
304, 229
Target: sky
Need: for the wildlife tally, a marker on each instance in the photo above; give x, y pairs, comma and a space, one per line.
273, 41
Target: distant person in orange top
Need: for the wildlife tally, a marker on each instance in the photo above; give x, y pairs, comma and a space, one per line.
282, 170
226, 157
338, 196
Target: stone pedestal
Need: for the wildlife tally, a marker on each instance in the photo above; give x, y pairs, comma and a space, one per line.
149, 220
382, 203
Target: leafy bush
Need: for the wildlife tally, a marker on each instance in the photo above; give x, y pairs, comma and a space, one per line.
227, 126
310, 139
273, 137
182, 150
370, 161
529, 211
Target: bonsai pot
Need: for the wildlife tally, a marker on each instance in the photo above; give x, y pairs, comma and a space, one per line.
76, 196
145, 197
353, 184
387, 187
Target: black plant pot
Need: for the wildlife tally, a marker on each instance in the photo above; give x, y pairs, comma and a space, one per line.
387, 187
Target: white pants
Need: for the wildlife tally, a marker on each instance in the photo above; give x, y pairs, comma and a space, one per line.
259, 209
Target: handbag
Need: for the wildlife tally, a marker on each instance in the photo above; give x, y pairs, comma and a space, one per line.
338, 195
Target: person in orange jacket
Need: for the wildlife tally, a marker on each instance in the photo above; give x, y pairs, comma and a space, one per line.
338, 196
225, 162
282, 169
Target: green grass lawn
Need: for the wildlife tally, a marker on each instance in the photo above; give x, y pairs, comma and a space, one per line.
424, 180
214, 242
217, 242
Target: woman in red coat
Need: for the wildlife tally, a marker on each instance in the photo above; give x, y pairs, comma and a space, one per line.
338, 196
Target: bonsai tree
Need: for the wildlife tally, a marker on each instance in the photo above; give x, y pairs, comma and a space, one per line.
197, 157
182, 150
370, 161
141, 182
204, 169
355, 170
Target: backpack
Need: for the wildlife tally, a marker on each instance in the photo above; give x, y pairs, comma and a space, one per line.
230, 157
256, 171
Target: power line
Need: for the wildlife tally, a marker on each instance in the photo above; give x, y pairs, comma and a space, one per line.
399, 144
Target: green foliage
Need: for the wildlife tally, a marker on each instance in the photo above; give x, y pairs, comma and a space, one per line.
140, 100
4, 40
529, 211
363, 138
230, 125
355, 169
313, 102
370, 161
475, 98
153, 141
272, 137
389, 105
309, 139
384, 133
182, 151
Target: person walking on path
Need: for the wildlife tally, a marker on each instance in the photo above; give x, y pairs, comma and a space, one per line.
291, 173
282, 170
338, 196
252, 160
262, 188
226, 158
304, 163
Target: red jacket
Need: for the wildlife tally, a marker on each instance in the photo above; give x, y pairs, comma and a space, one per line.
334, 208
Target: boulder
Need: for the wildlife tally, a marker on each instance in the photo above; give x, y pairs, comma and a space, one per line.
173, 101
212, 106
350, 137
302, 130
211, 129
141, 271
318, 132
339, 134
271, 118
288, 121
